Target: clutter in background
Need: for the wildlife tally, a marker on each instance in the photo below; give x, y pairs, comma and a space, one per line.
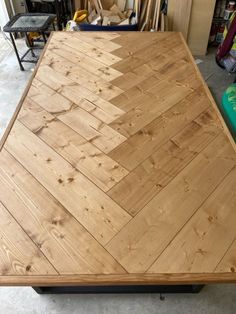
226, 53
228, 108
147, 15
223, 12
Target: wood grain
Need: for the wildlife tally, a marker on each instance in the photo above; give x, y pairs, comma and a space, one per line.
179, 13
117, 168
228, 262
124, 279
213, 223
150, 231
83, 155
81, 197
57, 234
200, 25
18, 255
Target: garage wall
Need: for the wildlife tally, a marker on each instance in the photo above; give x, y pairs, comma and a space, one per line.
18, 6
3, 14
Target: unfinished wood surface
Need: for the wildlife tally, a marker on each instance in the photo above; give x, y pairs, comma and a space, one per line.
117, 168
179, 12
200, 25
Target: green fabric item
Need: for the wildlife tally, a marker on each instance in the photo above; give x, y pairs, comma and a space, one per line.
229, 108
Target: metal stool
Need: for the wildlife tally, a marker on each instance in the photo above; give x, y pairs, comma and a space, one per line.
25, 23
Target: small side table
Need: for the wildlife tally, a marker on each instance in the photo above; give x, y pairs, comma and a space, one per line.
25, 23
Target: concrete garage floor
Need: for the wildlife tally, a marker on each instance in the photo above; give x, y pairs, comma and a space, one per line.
214, 299
12, 80
217, 79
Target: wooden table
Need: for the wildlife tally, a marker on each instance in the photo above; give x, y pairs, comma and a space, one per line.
117, 169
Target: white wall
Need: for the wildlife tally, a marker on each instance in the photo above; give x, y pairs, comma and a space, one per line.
3, 13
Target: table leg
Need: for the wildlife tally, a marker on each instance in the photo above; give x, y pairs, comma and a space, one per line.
16, 52
44, 37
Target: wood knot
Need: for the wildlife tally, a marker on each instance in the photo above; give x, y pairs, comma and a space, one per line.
70, 180
232, 269
56, 221
210, 218
28, 267
60, 180
39, 245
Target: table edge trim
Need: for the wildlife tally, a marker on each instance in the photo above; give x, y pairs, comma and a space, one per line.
18, 107
118, 279
209, 95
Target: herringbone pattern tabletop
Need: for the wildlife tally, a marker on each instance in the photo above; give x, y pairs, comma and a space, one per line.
117, 165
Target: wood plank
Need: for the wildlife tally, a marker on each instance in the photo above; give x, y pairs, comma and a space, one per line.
81, 60
152, 175
47, 98
65, 243
166, 95
131, 42
40, 117
148, 139
88, 49
48, 76
101, 216
179, 72
57, 80
174, 73
99, 41
179, 13
121, 4
212, 223
84, 156
93, 130
19, 256
228, 262
78, 75
150, 231
95, 105
112, 36
136, 88
74, 96
152, 50
200, 25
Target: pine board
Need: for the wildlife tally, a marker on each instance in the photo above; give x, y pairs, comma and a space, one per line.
117, 168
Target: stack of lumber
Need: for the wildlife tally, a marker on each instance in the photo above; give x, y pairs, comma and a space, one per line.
146, 13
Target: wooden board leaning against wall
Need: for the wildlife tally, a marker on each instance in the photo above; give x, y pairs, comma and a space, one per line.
193, 18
